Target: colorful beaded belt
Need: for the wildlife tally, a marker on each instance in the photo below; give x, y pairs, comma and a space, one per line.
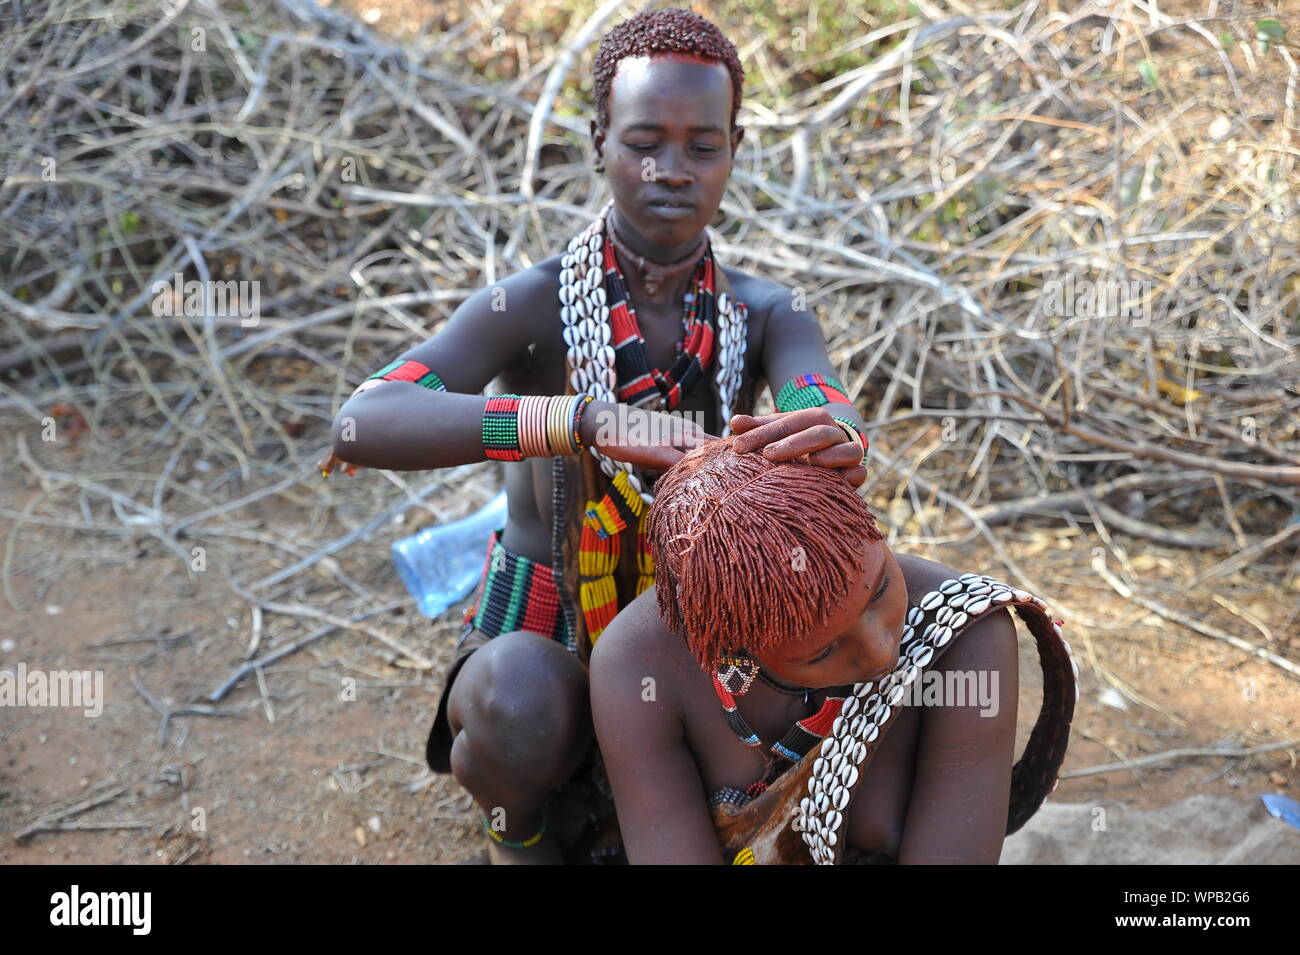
518, 594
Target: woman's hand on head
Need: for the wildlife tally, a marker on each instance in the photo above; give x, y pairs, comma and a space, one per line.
810, 432
648, 439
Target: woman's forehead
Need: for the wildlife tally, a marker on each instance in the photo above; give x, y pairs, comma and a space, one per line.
861, 589
683, 86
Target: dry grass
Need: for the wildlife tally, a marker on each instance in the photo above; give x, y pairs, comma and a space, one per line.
923, 195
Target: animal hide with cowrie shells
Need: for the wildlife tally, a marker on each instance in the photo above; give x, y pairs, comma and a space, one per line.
764, 825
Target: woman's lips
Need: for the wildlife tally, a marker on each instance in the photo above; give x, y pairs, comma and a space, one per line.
667, 209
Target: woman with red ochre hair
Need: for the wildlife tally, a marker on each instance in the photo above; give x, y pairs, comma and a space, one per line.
743, 700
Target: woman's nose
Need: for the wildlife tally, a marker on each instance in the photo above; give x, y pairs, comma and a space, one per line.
875, 649
673, 168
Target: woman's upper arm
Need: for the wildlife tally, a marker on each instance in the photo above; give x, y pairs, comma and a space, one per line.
957, 812
486, 333
663, 813
794, 344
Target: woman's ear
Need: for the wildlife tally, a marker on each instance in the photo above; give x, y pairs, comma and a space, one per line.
598, 142
737, 134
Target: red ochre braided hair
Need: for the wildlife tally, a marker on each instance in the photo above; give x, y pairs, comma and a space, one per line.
725, 531
663, 30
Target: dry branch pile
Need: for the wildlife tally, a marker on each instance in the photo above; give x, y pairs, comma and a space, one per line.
1054, 248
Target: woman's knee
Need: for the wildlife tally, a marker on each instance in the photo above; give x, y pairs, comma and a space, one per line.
522, 703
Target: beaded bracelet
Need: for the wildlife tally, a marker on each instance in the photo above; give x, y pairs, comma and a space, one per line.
854, 432
501, 428
810, 391
575, 426
526, 844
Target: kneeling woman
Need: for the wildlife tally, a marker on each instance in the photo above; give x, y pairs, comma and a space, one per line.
792, 691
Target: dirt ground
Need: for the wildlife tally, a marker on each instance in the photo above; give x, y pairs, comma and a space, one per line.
288, 769
293, 772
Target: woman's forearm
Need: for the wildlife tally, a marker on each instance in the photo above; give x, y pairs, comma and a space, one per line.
404, 427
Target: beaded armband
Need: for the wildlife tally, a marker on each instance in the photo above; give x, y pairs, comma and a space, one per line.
810, 391
399, 370
501, 428
575, 426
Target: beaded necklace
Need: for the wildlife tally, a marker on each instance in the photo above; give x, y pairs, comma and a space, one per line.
589, 277
607, 360
801, 738
641, 384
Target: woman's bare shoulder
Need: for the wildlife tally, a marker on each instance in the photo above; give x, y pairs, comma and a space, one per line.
638, 671
922, 575
638, 639
988, 642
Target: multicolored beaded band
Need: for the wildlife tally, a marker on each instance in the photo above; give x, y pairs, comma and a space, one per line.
517, 594
810, 391
501, 428
411, 371
575, 426
526, 844
854, 432
399, 370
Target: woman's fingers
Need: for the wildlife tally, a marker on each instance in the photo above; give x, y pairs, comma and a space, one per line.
774, 428
808, 441
856, 476
741, 423
846, 454
329, 463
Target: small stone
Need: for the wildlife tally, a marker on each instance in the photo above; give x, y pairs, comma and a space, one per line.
1220, 127
8, 646
53, 610
1112, 698
372, 15
373, 823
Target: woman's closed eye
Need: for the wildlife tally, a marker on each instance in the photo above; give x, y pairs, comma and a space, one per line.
823, 655
830, 647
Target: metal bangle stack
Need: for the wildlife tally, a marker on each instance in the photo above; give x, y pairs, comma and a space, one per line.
585, 313
821, 815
